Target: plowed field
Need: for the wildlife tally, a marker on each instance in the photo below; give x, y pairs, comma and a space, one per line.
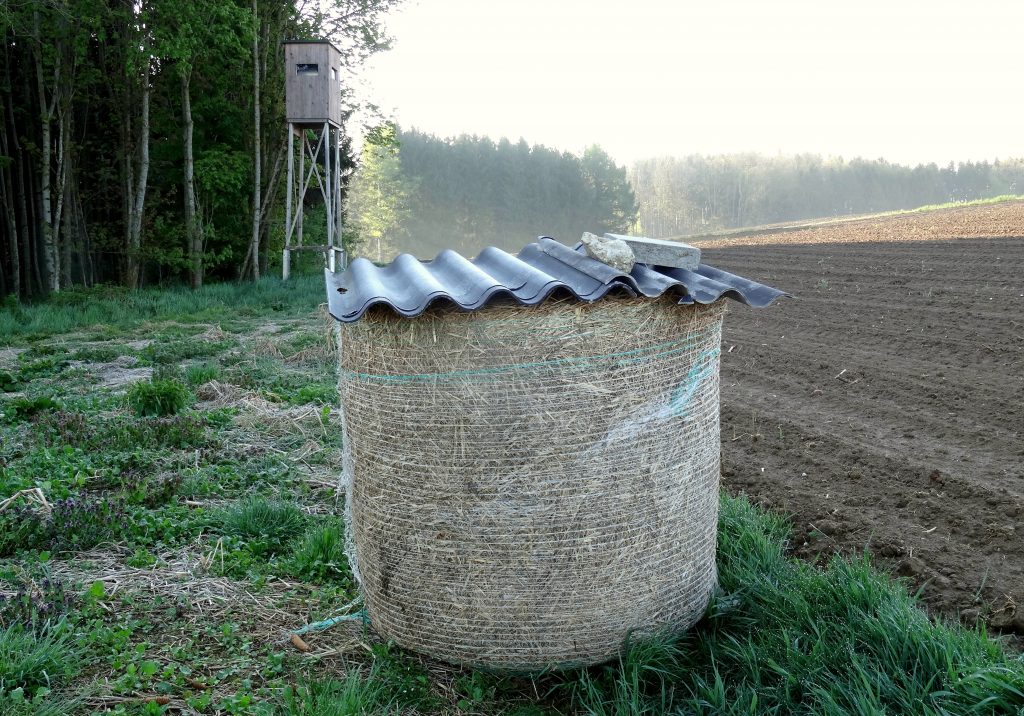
883, 406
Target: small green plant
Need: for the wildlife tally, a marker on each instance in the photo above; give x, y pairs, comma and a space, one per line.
181, 432
36, 601
474, 689
23, 409
98, 354
322, 393
321, 554
158, 397
43, 703
173, 352
147, 489
44, 367
403, 677
202, 373
268, 524
354, 696
84, 522
31, 659
8, 383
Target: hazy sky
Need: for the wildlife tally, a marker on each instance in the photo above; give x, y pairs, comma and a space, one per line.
913, 81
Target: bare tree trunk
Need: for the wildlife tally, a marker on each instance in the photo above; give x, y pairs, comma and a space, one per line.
61, 247
251, 267
7, 188
193, 226
88, 267
51, 259
137, 198
24, 230
34, 222
127, 176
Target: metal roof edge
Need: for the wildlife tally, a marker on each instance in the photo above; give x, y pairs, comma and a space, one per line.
409, 286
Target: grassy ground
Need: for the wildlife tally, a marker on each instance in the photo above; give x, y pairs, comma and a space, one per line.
172, 458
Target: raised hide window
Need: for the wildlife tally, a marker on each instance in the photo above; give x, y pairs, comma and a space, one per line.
305, 68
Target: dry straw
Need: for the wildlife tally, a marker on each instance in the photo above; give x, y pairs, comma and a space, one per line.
527, 486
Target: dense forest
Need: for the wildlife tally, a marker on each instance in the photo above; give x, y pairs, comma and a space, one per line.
142, 140
695, 194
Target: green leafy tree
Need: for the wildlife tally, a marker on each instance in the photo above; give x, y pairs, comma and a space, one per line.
613, 198
379, 195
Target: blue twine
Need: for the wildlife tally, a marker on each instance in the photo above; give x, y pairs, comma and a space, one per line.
702, 368
334, 621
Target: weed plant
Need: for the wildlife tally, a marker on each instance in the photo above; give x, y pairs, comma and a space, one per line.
35, 602
72, 523
158, 397
202, 373
320, 555
34, 658
354, 695
269, 524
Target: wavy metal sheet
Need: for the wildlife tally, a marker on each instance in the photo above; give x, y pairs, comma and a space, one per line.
409, 285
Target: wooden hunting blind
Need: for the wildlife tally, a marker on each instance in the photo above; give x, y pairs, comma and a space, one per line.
312, 89
312, 82
531, 448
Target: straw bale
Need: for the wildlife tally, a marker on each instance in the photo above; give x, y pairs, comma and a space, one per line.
528, 486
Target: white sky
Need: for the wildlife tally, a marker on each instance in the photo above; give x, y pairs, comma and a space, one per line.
909, 80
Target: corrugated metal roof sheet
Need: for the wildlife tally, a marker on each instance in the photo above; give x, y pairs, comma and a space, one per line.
409, 285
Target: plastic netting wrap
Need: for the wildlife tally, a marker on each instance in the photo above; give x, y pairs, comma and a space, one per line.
528, 486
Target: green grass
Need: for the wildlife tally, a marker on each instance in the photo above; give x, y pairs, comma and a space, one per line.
786, 637
158, 397
202, 373
353, 696
270, 523
234, 497
31, 659
115, 310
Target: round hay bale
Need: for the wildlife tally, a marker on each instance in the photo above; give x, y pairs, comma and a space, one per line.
528, 486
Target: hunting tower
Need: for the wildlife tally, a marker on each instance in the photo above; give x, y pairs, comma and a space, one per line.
313, 109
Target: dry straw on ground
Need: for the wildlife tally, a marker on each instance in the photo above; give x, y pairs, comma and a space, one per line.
530, 485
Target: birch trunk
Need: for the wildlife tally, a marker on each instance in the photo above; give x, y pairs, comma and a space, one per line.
137, 198
193, 226
61, 248
50, 257
252, 259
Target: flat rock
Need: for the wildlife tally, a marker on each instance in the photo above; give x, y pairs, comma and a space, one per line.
659, 252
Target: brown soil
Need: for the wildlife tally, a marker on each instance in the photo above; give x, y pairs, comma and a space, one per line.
883, 407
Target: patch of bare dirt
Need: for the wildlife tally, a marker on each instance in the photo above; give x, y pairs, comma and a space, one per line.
994, 220
118, 373
9, 357
883, 407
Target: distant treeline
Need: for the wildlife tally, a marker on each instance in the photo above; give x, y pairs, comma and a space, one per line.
419, 193
695, 194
